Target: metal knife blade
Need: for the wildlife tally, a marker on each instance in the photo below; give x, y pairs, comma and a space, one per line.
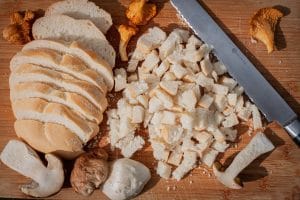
239, 67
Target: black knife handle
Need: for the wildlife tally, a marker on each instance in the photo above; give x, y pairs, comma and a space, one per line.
293, 130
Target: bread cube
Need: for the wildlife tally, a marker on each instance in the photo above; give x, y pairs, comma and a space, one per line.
229, 82
193, 43
171, 134
220, 146
218, 135
219, 68
151, 40
137, 114
187, 164
188, 100
187, 121
206, 101
220, 102
155, 105
132, 65
244, 113
165, 98
232, 99
219, 89
171, 87
256, 118
204, 81
162, 68
175, 158
168, 117
178, 70
163, 170
206, 66
151, 61
230, 121
169, 76
209, 157
229, 133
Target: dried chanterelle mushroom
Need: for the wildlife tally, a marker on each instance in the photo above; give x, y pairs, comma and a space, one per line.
126, 32
90, 170
258, 145
263, 25
140, 12
23, 159
19, 31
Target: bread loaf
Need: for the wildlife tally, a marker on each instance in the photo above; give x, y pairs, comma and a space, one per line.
82, 9
65, 63
52, 94
70, 29
74, 48
35, 73
49, 138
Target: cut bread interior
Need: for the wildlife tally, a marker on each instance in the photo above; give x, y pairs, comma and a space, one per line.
50, 93
65, 63
41, 110
35, 73
62, 27
74, 48
82, 9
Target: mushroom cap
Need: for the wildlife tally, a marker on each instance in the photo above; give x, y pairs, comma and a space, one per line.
90, 170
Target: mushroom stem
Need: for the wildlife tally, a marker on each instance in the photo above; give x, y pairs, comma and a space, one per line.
257, 146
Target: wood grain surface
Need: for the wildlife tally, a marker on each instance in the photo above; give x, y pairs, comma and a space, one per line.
273, 176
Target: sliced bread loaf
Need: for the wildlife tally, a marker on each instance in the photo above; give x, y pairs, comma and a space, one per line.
35, 73
49, 138
62, 27
48, 92
82, 9
74, 48
42, 110
64, 63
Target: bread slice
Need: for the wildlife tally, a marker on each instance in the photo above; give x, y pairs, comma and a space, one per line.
82, 9
89, 57
35, 73
49, 138
64, 63
48, 92
62, 27
42, 110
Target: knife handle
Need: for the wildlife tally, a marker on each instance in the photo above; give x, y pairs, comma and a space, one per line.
293, 130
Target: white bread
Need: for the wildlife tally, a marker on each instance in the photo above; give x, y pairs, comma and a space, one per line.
48, 92
64, 63
89, 57
62, 27
49, 138
41, 110
82, 9
34, 73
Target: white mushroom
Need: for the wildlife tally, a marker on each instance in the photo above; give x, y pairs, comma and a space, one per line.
126, 180
21, 158
258, 145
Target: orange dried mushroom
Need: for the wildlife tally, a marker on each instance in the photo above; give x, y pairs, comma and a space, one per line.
140, 12
263, 25
19, 31
126, 32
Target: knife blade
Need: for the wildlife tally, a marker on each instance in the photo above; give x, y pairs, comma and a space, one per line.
270, 103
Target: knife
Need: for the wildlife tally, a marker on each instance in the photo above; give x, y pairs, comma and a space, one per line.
239, 67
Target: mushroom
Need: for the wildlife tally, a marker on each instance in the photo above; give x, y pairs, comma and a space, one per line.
140, 12
90, 170
126, 32
258, 145
263, 25
126, 180
23, 159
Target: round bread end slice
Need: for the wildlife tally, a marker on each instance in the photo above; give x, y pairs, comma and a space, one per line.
49, 138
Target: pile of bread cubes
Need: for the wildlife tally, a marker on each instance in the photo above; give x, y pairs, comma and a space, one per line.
188, 103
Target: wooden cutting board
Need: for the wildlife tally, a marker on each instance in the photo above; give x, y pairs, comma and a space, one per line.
273, 176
